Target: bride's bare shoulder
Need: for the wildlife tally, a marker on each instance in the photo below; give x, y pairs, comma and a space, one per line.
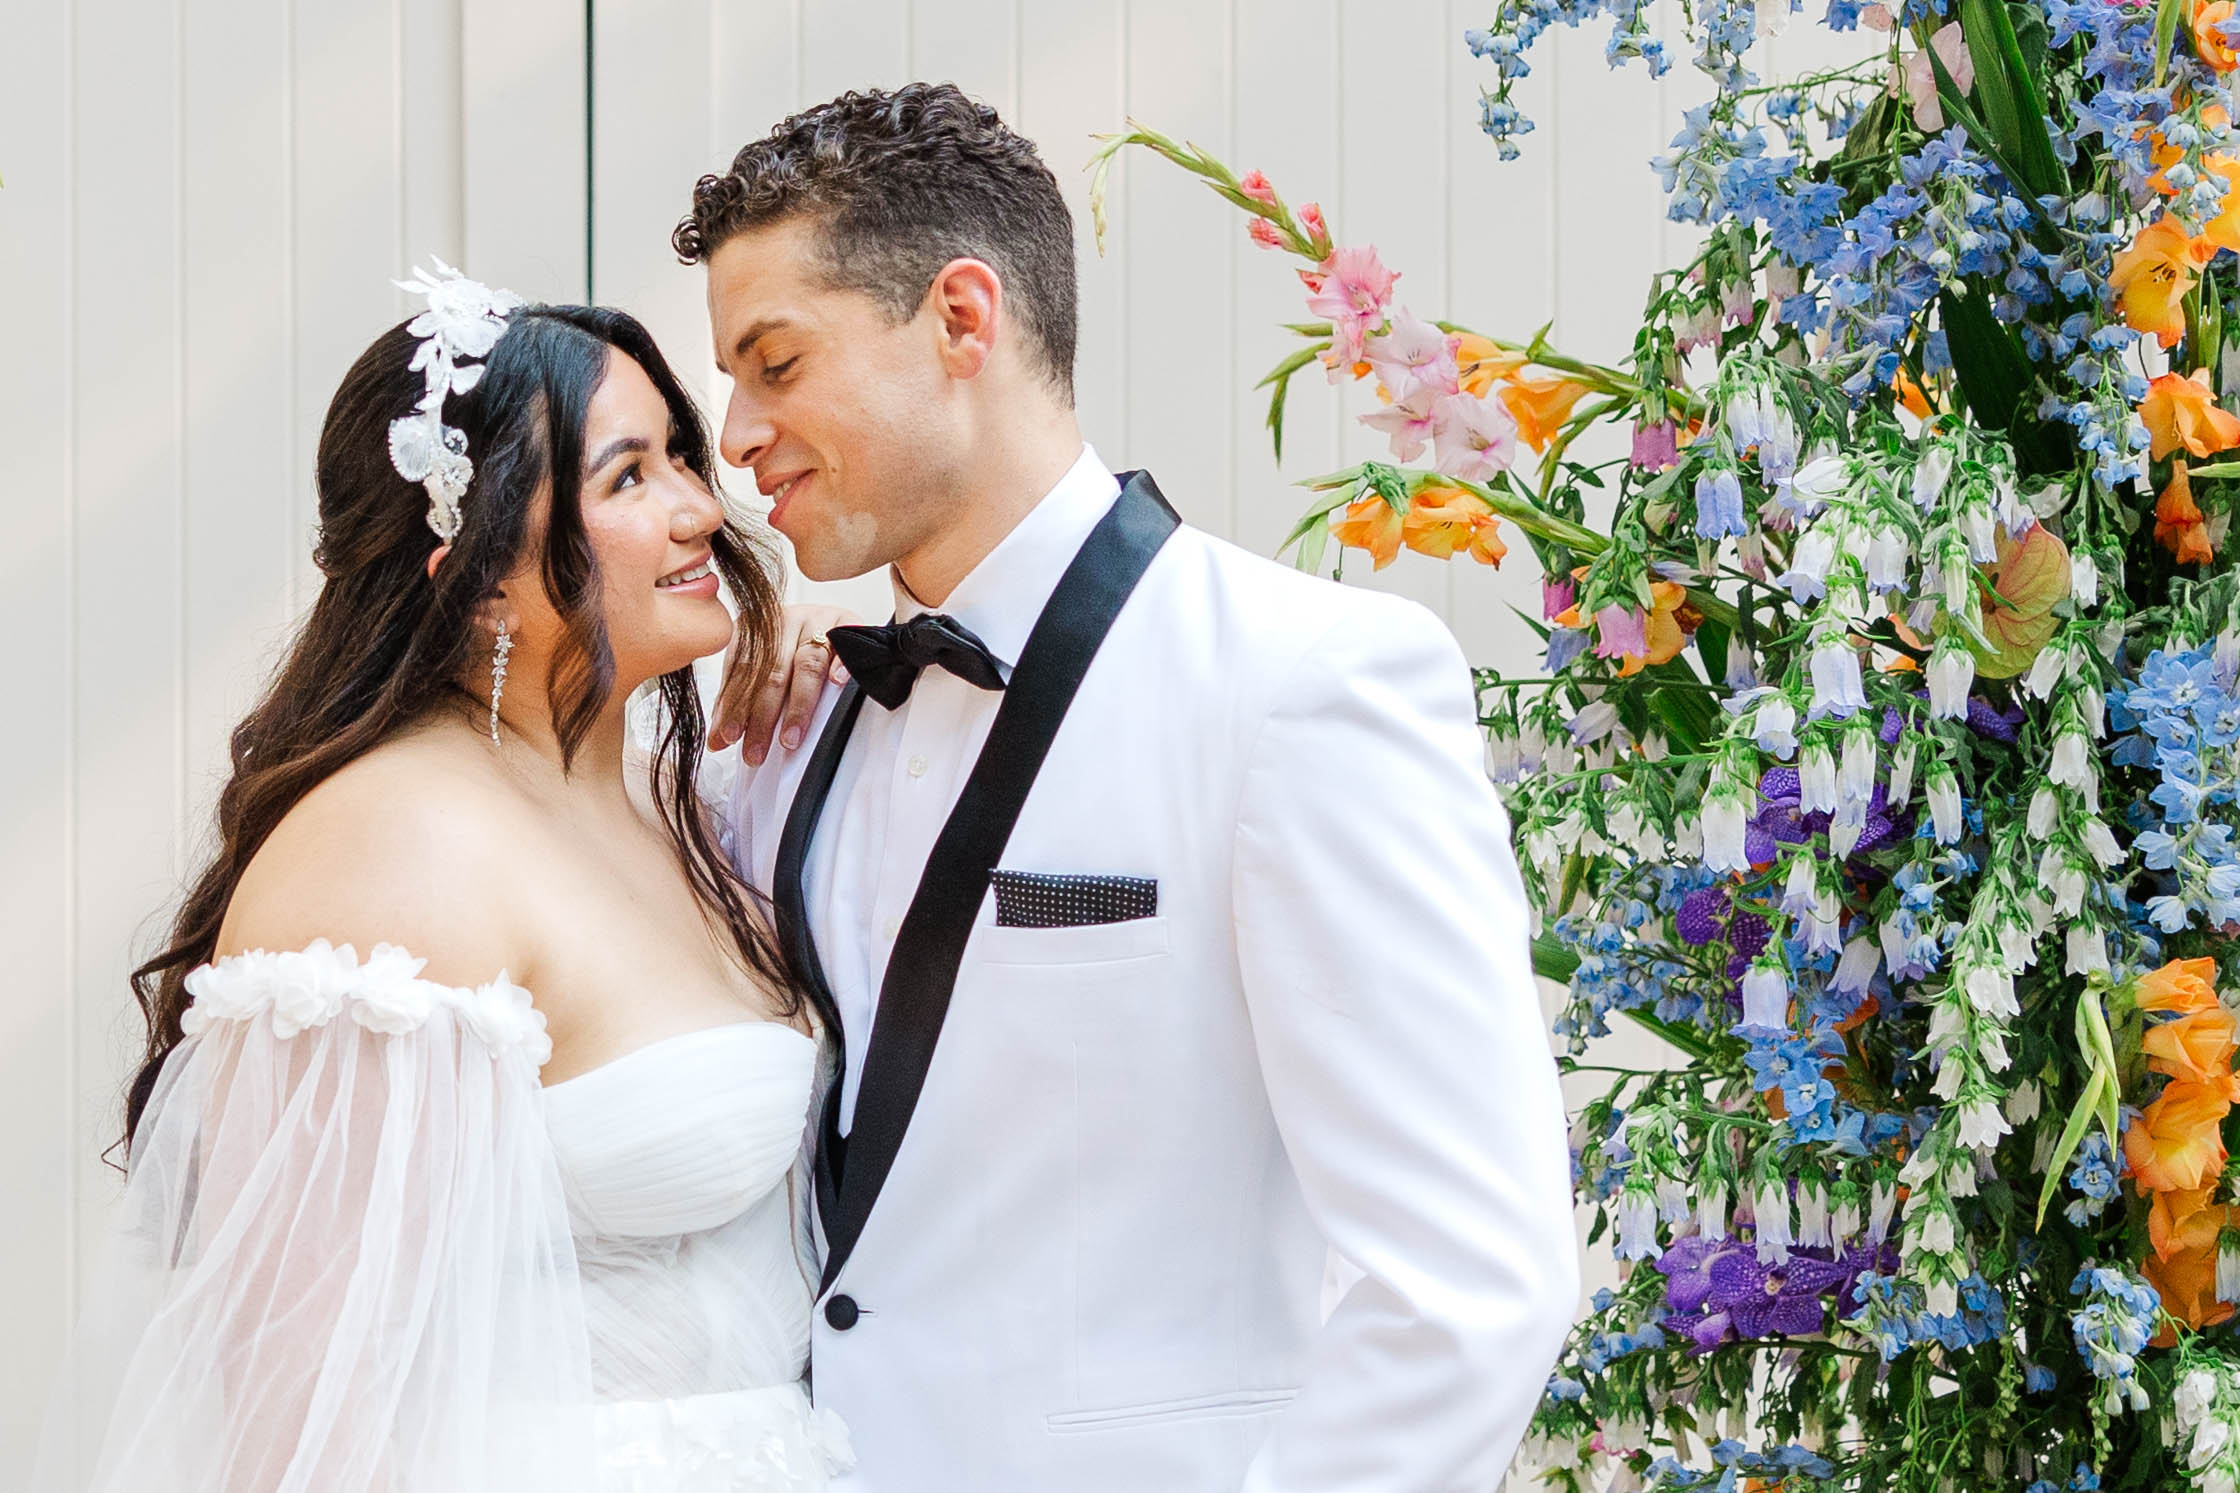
411, 845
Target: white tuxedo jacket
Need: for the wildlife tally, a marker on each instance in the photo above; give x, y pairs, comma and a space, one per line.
1097, 1259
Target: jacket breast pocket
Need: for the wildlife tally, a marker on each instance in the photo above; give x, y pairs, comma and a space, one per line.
1092, 943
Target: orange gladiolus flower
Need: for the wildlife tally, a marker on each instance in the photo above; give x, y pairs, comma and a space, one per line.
1370, 524
1541, 405
2208, 43
2223, 230
2175, 1144
1671, 619
2186, 1277
1443, 520
2182, 985
2197, 1048
2178, 1220
2178, 525
1910, 395
1483, 364
2181, 411
2152, 277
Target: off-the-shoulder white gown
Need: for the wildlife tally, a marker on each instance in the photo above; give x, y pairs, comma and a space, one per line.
361, 1248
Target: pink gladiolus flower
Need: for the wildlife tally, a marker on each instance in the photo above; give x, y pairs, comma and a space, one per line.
1264, 234
1475, 438
1621, 631
1411, 354
1310, 218
1655, 446
1917, 79
1410, 423
1256, 187
1351, 288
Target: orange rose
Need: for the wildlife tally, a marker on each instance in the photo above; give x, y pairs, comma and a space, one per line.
2196, 1048
2176, 1144
1371, 524
2182, 985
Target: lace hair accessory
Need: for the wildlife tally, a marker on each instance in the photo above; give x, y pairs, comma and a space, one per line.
463, 321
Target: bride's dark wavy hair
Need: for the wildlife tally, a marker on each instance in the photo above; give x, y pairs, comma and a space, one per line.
384, 643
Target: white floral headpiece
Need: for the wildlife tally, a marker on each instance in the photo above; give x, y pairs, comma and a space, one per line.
464, 320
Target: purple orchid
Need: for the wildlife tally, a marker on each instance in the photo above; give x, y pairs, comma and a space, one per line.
1718, 1290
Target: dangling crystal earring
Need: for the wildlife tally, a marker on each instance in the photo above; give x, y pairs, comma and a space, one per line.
498, 654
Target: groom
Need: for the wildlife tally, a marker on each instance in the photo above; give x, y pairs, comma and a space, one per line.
1159, 889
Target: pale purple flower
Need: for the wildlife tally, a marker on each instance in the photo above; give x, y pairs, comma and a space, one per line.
1719, 506
1621, 631
1655, 445
1412, 354
1474, 438
1836, 687
1409, 422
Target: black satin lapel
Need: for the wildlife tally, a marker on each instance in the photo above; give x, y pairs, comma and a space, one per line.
929, 947
795, 937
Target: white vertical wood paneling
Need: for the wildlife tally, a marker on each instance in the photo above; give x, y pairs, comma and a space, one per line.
40, 1164
205, 203
524, 140
204, 206
127, 790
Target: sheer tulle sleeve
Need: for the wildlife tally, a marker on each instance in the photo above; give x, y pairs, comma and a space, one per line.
342, 1261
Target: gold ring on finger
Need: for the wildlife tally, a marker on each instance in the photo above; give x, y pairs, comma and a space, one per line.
816, 640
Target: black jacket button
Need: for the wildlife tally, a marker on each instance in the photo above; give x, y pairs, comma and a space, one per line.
841, 1312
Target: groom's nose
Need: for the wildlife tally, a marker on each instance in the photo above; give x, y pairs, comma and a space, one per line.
747, 431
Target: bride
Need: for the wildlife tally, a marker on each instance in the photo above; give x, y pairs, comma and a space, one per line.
466, 1152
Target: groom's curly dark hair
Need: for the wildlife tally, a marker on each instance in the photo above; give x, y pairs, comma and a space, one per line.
899, 183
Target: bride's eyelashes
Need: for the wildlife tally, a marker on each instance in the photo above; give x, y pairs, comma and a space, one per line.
776, 371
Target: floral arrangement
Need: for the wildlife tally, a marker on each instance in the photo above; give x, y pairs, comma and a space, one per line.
1885, 760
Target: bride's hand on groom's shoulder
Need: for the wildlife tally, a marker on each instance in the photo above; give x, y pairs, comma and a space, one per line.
774, 710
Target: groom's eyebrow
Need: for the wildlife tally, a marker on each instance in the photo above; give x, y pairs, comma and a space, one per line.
754, 334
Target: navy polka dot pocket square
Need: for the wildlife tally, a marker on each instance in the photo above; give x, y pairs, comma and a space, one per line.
1033, 899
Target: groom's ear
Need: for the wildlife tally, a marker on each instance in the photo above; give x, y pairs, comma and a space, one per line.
967, 302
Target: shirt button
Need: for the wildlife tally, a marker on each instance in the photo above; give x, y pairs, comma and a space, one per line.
917, 767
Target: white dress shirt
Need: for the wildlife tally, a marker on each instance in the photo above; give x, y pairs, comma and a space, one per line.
904, 769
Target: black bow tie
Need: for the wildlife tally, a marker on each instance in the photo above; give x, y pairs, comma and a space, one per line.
889, 657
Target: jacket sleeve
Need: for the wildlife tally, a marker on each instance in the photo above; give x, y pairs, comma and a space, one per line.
341, 1262
1382, 938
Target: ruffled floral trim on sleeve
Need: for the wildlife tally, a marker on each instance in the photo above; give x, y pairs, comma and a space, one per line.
313, 986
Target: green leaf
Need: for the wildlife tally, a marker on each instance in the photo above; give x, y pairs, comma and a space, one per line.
2008, 94
1552, 961
2166, 18
1312, 546
1956, 108
1994, 373
2071, 1134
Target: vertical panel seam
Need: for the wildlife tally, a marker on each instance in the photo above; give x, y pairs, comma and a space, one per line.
1126, 334
1229, 71
182, 566
1447, 161
72, 1097
590, 154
